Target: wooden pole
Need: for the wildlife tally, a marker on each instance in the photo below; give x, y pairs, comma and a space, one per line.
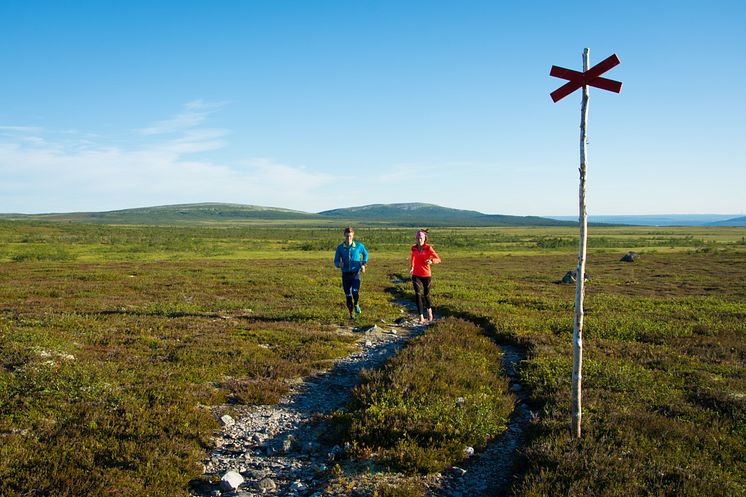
577, 332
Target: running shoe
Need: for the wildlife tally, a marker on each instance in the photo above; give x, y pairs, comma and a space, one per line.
357, 310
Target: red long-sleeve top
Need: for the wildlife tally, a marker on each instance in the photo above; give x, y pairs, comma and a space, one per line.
418, 265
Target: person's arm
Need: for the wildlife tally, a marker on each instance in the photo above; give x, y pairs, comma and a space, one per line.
364, 257
338, 261
434, 258
411, 263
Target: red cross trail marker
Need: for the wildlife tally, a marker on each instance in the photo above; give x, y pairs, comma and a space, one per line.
587, 78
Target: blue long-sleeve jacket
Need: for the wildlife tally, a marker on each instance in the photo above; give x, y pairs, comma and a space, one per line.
349, 258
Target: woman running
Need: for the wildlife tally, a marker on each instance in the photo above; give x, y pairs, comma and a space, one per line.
351, 257
423, 256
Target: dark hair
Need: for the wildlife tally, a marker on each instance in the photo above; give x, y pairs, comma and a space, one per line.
349, 229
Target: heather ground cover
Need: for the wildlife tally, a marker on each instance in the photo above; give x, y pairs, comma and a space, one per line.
664, 377
114, 341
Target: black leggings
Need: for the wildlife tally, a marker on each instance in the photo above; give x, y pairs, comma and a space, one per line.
351, 286
422, 292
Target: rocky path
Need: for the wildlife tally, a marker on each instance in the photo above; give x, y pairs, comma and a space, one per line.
277, 449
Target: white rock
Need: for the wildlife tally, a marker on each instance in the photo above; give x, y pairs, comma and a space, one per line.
469, 451
227, 421
231, 481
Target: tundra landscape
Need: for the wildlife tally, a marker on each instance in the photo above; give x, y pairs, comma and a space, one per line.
123, 345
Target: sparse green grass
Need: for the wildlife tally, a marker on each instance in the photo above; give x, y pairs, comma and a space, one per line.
441, 394
114, 340
107, 371
664, 376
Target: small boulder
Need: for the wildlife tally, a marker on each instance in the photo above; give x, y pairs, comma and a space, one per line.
266, 485
630, 257
571, 276
231, 481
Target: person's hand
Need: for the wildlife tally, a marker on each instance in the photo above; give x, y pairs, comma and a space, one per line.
429, 261
411, 270
362, 268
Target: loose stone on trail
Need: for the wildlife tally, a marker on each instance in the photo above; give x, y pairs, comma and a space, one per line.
279, 448
231, 481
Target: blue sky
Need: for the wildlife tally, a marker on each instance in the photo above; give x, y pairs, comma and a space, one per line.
313, 105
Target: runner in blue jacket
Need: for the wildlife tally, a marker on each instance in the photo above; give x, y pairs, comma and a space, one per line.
351, 257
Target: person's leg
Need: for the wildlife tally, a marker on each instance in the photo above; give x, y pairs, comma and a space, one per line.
356, 293
347, 282
418, 290
426, 282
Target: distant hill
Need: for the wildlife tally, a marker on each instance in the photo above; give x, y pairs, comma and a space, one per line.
175, 214
657, 219
408, 214
736, 221
416, 214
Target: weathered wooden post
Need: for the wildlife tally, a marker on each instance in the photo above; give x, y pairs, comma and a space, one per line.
589, 77
577, 328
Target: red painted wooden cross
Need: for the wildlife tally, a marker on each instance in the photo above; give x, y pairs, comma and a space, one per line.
589, 77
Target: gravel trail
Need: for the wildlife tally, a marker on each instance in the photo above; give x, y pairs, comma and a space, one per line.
276, 450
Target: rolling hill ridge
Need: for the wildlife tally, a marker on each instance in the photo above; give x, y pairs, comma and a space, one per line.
401, 214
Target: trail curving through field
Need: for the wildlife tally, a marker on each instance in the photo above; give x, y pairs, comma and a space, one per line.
280, 449
276, 448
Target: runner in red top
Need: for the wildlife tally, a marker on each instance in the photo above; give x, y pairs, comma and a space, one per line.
423, 255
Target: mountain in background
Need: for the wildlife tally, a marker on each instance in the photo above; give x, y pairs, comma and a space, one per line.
416, 214
663, 219
412, 214
400, 214
736, 221
174, 214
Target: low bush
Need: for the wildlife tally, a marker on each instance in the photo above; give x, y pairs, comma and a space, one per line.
443, 393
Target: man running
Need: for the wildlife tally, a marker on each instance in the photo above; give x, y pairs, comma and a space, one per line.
351, 257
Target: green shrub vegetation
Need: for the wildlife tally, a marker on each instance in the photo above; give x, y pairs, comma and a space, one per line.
664, 378
443, 393
116, 341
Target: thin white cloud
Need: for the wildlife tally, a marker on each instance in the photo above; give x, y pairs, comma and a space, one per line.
46, 175
194, 114
20, 129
